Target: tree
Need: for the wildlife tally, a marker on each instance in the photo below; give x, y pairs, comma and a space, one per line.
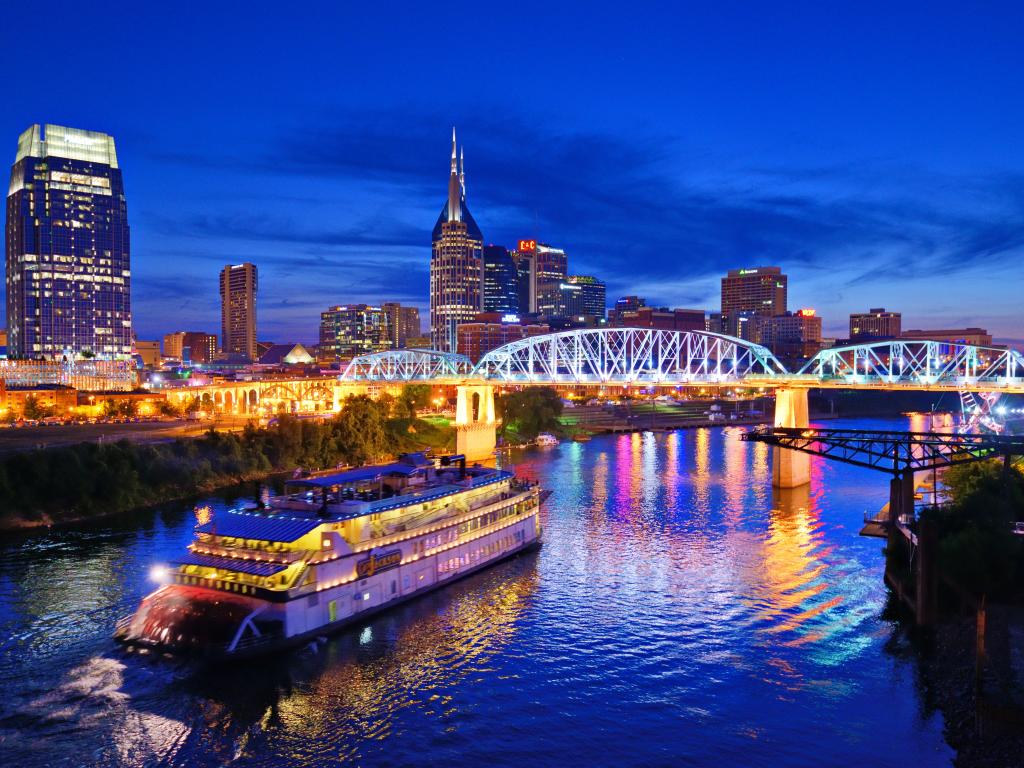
977, 546
530, 411
35, 409
167, 408
414, 397
359, 430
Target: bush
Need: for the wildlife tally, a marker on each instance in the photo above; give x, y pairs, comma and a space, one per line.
977, 546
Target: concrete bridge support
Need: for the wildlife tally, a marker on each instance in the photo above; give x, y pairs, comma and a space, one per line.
790, 469
475, 424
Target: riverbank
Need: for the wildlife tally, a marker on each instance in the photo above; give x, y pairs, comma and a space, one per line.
983, 715
87, 481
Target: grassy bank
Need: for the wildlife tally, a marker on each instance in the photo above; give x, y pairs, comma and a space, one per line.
88, 480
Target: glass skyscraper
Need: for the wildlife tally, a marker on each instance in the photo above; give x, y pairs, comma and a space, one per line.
456, 264
67, 247
501, 281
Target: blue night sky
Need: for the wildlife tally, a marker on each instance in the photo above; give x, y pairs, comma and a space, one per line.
874, 151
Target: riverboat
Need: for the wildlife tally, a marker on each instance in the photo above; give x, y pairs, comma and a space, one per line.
332, 550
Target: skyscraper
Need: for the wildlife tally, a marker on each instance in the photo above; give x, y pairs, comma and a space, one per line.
750, 294
238, 284
761, 290
353, 329
456, 263
68, 250
552, 265
403, 323
525, 259
501, 283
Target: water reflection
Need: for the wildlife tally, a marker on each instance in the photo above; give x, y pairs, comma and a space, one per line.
680, 611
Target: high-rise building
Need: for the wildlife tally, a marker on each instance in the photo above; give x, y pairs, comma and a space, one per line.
501, 281
625, 304
525, 258
456, 263
552, 264
68, 249
191, 346
353, 329
761, 290
238, 283
876, 323
403, 323
791, 336
577, 297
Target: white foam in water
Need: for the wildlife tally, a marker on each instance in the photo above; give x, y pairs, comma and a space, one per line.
92, 694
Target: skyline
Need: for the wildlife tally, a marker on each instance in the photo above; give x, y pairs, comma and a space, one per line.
658, 161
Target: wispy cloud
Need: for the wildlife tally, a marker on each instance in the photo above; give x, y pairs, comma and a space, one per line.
642, 213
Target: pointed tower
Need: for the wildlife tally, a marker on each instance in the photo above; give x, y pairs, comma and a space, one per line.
462, 172
456, 263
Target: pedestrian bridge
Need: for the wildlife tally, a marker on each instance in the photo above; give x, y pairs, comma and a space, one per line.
660, 358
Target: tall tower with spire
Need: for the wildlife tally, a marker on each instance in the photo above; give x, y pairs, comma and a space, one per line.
456, 262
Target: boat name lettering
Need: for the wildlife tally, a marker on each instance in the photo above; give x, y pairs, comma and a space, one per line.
376, 563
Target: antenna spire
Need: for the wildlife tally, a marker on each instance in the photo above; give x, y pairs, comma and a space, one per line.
462, 171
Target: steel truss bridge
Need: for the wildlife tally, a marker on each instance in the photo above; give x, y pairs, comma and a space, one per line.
895, 452
652, 357
408, 365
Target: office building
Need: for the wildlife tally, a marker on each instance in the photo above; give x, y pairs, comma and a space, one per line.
501, 281
792, 336
978, 337
552, 264
876, 323
148, 352
191, 346
761, 290
625, 304
456, 263
663, 318
403, 323
578, 297
352, 329
490, 330
67, 247
238, 284
526, 276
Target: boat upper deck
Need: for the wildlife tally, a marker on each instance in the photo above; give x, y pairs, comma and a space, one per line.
338, 496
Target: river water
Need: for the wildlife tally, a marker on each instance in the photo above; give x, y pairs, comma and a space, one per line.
680, 612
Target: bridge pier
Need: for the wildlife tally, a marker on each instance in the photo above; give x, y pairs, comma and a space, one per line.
790, 469
476, 433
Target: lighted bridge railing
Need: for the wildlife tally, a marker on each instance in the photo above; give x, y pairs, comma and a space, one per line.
918, 363
628, 356
407, 365
647, 356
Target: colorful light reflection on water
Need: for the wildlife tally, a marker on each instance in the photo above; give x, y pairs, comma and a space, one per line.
680, 612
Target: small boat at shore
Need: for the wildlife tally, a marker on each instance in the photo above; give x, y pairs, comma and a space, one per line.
546, 439
333, 549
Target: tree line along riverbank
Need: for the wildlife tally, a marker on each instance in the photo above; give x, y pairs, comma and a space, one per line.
89, 480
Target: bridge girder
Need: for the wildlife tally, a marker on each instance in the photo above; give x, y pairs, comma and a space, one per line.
918, 363
644, 356
888, 450
407, 365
